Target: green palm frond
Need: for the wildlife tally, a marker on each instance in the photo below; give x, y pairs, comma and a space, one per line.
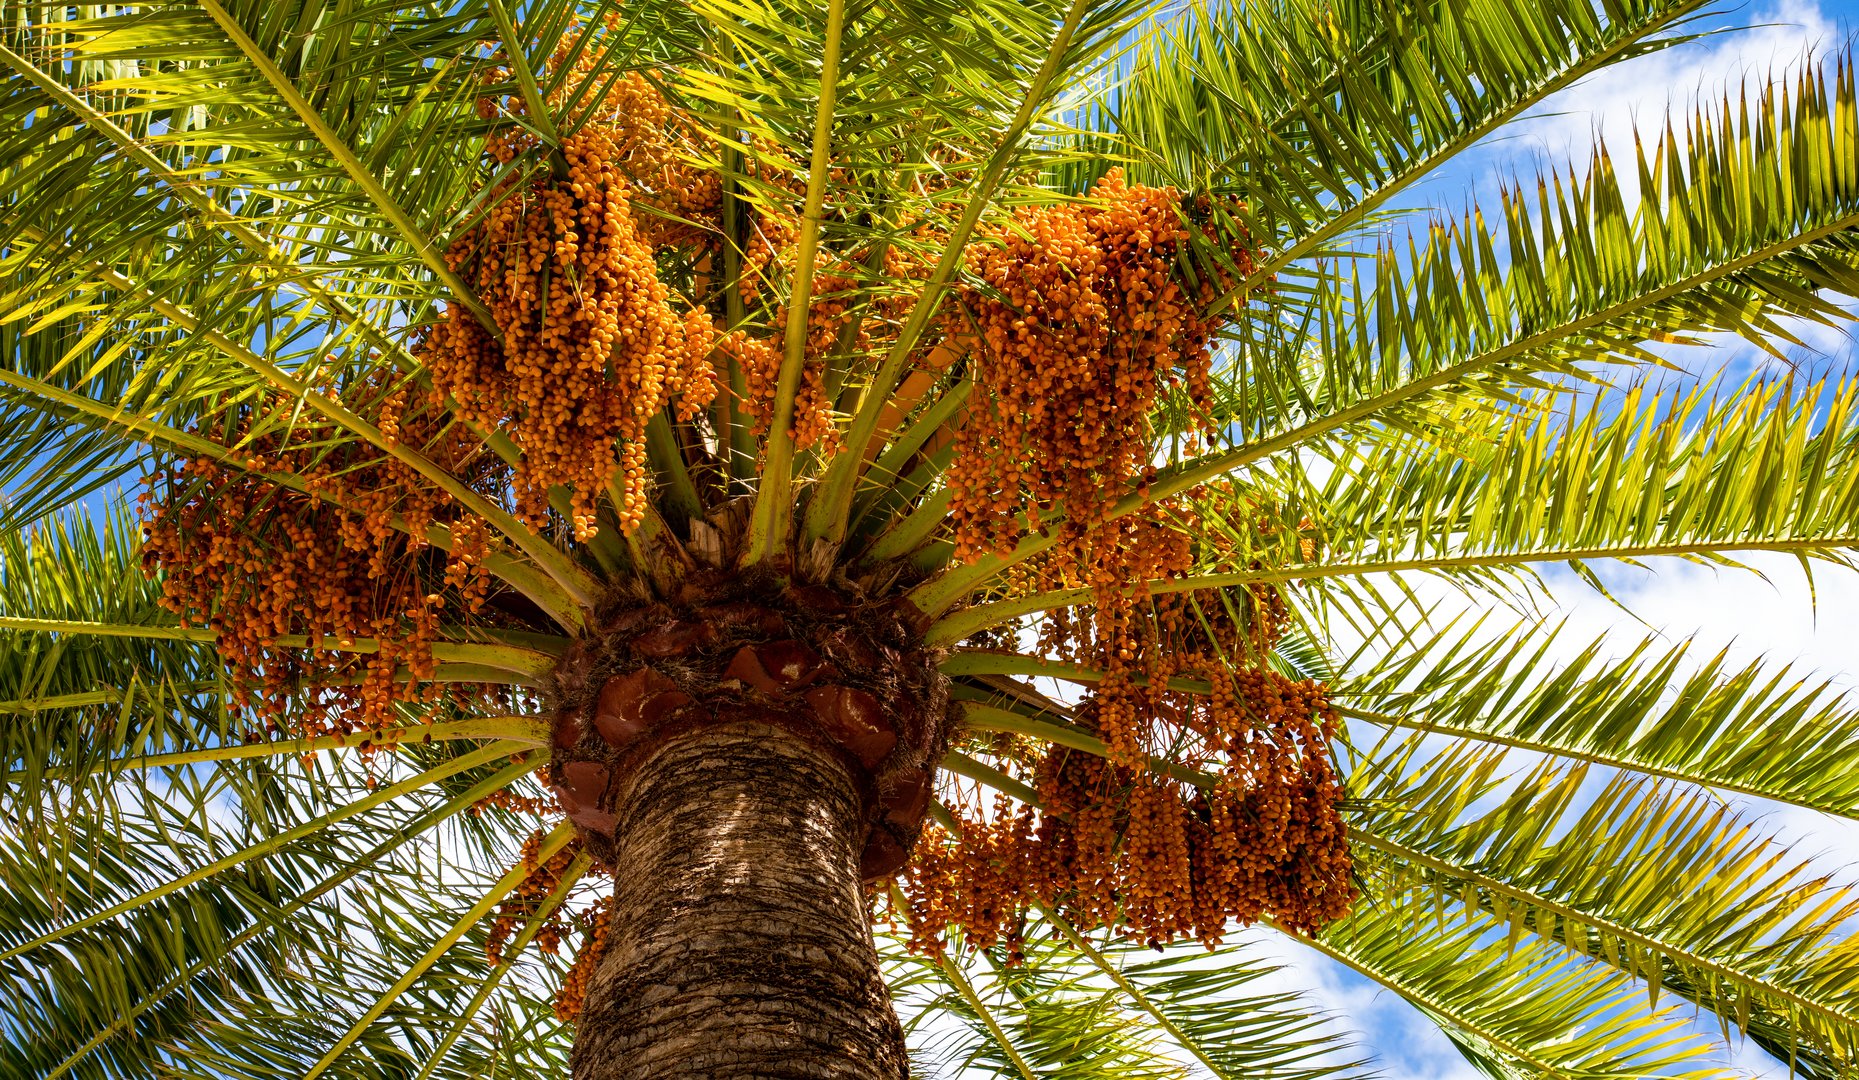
1527, 1009
1632, 475
1484, 494
123, 766
74, 704
1321, 114
215, 873
125, 1013
1749, 934
1200, 1004
276, 1036
413, 969
1074, 1009
87, 985
1760, 729
1721, 239
1668, 885
286, 107
276, 201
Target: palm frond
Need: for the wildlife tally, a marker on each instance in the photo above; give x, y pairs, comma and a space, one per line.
76, 703
1759, 729
128, 1000
1073, 1008
1198, 1004
1320, 115
1764, 467
1515, 1010
1667, 884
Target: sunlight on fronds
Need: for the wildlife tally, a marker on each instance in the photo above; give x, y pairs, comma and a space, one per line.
1042, 407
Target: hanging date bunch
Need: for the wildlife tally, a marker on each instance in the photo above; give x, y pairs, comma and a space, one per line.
1089, 318
1215, 800
1139, 641
587, 342
1083, 321
1225, 809
327, 582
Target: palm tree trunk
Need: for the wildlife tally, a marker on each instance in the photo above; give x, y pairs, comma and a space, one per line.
738, 945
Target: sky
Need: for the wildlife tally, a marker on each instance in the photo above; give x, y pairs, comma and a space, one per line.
1771, 614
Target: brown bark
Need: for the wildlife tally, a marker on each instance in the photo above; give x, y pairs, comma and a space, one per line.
739, 945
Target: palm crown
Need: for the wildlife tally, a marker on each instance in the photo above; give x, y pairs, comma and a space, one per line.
481, 363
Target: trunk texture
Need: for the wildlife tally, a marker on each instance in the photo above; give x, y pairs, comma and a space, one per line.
739, 945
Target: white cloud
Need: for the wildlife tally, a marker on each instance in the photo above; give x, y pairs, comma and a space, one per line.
1765, 611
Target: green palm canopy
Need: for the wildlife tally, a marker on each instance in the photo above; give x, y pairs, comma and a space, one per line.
271, 813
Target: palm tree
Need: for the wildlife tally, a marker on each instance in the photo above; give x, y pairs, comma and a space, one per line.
747, 538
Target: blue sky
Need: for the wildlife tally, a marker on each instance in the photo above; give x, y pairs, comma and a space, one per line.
1769, 615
